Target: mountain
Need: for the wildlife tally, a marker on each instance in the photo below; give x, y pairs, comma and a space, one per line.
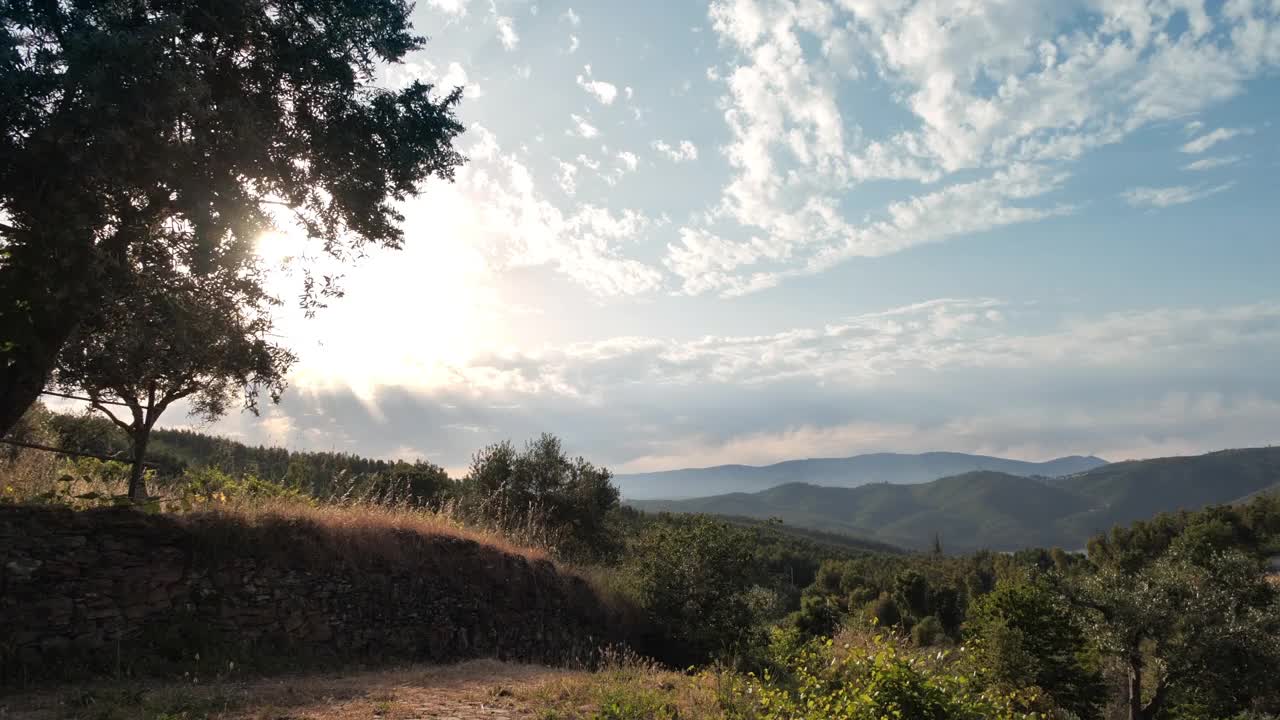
836, 472
1000, 510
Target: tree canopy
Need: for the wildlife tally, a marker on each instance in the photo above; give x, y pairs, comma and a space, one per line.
166, 334
120, 118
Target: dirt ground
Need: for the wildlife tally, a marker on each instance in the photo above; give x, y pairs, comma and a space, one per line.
478, 689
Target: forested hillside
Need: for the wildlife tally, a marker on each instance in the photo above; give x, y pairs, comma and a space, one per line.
837, 472
171, 452
1003, 511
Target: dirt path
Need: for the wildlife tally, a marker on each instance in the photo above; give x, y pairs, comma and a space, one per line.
478, 689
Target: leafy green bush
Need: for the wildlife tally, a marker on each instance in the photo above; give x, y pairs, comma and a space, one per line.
544, 497
928, 632
695, 579
873, 683
209, 486
1024, 634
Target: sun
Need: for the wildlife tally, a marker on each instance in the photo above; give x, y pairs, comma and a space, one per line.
407, 317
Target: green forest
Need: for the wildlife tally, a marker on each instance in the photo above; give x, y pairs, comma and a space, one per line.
997, 510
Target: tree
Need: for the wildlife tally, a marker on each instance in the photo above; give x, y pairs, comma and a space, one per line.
166, 334
1024, 634
117, 118
911, 592
569, 502
1197, 630
693, 577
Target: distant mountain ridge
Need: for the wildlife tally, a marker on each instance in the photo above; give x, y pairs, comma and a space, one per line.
895, 468
1003, 511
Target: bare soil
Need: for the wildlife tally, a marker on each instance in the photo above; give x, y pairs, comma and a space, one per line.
477, 689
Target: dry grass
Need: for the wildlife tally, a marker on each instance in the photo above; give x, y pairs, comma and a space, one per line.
478, 689
361, 530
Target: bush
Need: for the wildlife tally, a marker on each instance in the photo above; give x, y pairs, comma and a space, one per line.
871, 684
694, 578
927, 632
1024, 634
542, 496
207, 486
817, 616
884, 611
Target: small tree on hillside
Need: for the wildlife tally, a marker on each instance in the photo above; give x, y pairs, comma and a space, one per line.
541, 490
693, 576
168, 334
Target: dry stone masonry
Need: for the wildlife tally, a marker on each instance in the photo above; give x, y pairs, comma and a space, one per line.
117, 591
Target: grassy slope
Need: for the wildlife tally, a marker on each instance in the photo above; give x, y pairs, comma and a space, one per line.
1002, 511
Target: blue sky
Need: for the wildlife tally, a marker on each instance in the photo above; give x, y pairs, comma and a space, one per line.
759, 229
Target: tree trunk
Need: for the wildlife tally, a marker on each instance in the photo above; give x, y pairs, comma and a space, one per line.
38, 312
137, 483
25, 368
1135, 688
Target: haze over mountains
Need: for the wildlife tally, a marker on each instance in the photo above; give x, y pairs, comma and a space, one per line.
895, 468
1003, 511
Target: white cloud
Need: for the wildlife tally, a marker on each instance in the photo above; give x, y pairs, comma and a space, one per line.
524, 72
1177, 423
815, 237
522, 228
994, 88
457, 8
573, 44
572, 17
566, 176
453, 75
1208, 140
874, 348
628, 160
603, 91
1210, 163
1160, 197
507, 32
682, 152
456, 76
582, 128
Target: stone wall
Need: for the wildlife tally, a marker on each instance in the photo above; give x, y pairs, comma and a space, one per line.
118, 591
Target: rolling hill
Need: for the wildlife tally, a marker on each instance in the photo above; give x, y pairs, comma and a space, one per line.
1003, 511
836, 472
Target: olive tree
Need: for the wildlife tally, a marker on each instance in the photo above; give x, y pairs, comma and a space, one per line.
118, 117
1193, 629
167, 334
568, 503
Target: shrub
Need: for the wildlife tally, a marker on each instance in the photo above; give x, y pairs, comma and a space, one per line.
694, 578
927, 632
1024, 634
884, 611
817, 616
542, 495
871, 684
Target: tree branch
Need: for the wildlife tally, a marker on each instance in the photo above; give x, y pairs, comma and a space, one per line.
97, 404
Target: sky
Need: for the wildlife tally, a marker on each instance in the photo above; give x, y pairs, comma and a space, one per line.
754, 230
